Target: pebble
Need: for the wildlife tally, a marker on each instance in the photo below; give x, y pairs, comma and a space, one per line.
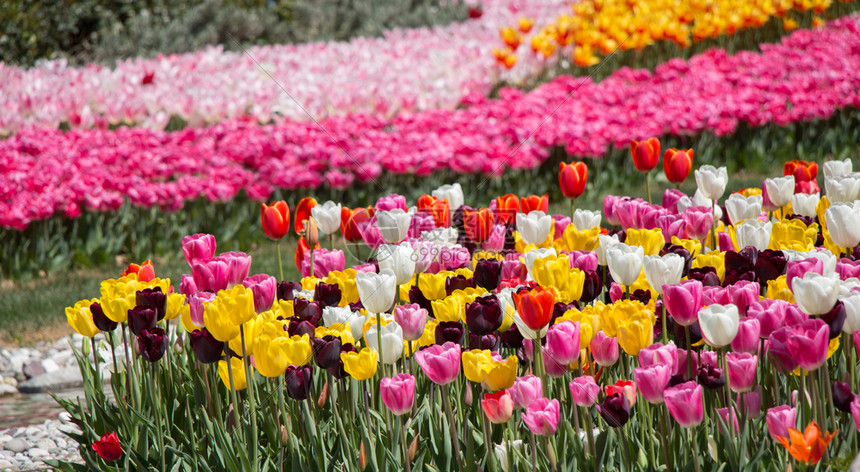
25, 448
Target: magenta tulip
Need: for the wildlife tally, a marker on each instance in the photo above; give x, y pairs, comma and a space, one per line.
198, 246
742, 368
398, 393
779, 419
684, 402
210, 274
769, 313
238, 266
441, 364
652, 381
798, 268
751, 402
562, 342
778, 351
264, 287
584, 390
325, 261
412, 319
857, 342
542, 416
526, 390
604, 349
683, 301
747, 339
808, 343
743, 294
724, 417
660, 354
855, 412
681, 362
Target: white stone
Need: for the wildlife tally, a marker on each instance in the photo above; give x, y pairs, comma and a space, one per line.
37, 452
50, 366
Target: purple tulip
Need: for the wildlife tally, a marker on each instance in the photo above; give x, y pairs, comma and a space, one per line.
140, 318
298, 381
842, 396
102, 322
152, 344
484, 315
615, 410
206, 348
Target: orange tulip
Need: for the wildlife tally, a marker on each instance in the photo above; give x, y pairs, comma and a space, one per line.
437, 207
572, 179
505, 57
535, 307
349, 222
145, 271
303, 213
533, 203
526, 24
275, 219
645, 154
507, 208
511, 37
677, 164
802, 171
478, 223
303, 251
809, 446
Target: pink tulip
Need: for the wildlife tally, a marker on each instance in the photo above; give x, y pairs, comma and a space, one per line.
398, 393
609, 203
742, 369
238, 266
751, 402
496, 241
525, 390
681, 362
715, 296
855, 411
441, 364
498, 406
808, 343
552, 367
652, 381
604, 349
196, 305
779, 419
583, 260
659, 354
584, 390
778, 351
857, 342
560, 222
198, 246
798, 268
672, 225
562, 342
670, 199
390, 202
794, 315
210, 275
769, 313
265, 288
846, 268
187, 286
724, 417
684, 402
412, 319
542, 416
743, 294
724, 241
325, 261
747, 339
698, 220
683, 301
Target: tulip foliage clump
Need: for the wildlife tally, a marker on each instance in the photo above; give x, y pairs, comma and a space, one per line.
705, 331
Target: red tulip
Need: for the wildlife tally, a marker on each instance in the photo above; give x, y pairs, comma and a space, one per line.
438, 207
303, 213
108, 447
534, 203
677, 164
805, 174
535, 307
507, 208
303, 251
499, 406
572, 179
275, 219
145, 271
478, 223
349, 222
645, 154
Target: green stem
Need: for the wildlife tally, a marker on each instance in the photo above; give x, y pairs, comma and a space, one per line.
590, 436
695, 448
405, 446
252, 400
572, 208
689, 347
534, 453
280, 262
648, 185
452, 424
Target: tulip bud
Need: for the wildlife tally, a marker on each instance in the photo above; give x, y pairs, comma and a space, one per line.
231, 421
311, 233
323, 395
413, 448
362, 457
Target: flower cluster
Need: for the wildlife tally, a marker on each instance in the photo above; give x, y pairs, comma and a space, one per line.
808, 76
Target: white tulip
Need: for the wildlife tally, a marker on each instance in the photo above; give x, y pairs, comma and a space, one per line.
452, 193
842, 189
805, 203
661, 270
754, 233
327, 217
534, 228
527, 332
344, 315
852, 312
779, 191
816, 294
392, 341
837, 168
625, 263
585, 219
399, 259
826, 257
376, 291
442, 237
699, 199
605, 242
501, 451
426, 252
743, 208
684, 203
847, 286
843, 224
712, 181
719, 324
393, 225
535, 254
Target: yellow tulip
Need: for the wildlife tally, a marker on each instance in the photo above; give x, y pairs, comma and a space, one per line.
428, 338
270, 356
236, 343
635, 334
360, 365
715, 259
81, 318
473, 361
574, 239
118, 296
691, 245
174, 304
239, 302
777, 289
298, 350
449, 308
793, 235
217, 320
554, 271
310, 283
238, 367
588, 319
650, 240
345, 280
432, 286
499, 374
285, 308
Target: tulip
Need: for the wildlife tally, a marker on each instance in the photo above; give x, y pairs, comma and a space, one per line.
816, 294
743, 208
488, 273
742, 369
850, 301
449, 331
498, 406
542, 416
453, 193
525, 390
390, 202
206, 348
652, 381
562, 342
805, 204
855, 411
376, 291
711, 181
201, 246
843, 224
645, 154
710, 376
399, 259
534, 308
659, 354
719, 324
263, 287
677, 164
572, 179
684, 402
275, 219
360, 365
747, 339
392, 341
108, 447
807, 447
842, 189
140, 318
496, 240
584, 390
441, 364
698, 221
808, 342
777, 192
393, 225
350, 222
484, 315
411, 319
779, 420
842, 396
152, 344
326, 351
604, 349
683, 301
398, 393
100, 319
615, 410
327, 216
298, 381
625, 263
534, 203
663, 270
634, 334
534, 227
478, 224
81, 317
303, 214
836, 168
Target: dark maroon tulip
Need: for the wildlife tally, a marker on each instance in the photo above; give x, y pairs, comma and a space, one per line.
488, 273
615, 410
842, 396
769, 265
487, 341
140, 318
676, 379
778, 352
559, 309
458, 282
152, 298
591, 287
101, 320
835, 319
512, 338
356, 306
326, 351
484, 315
417, 296
286, 289
680, 337
298, 380
807, 220
307, 311
152, 344
327, 294
206, 348
337, 371
449, 331
711, 377
681, 251
457, 220
300, 328
640, 295
707, 275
